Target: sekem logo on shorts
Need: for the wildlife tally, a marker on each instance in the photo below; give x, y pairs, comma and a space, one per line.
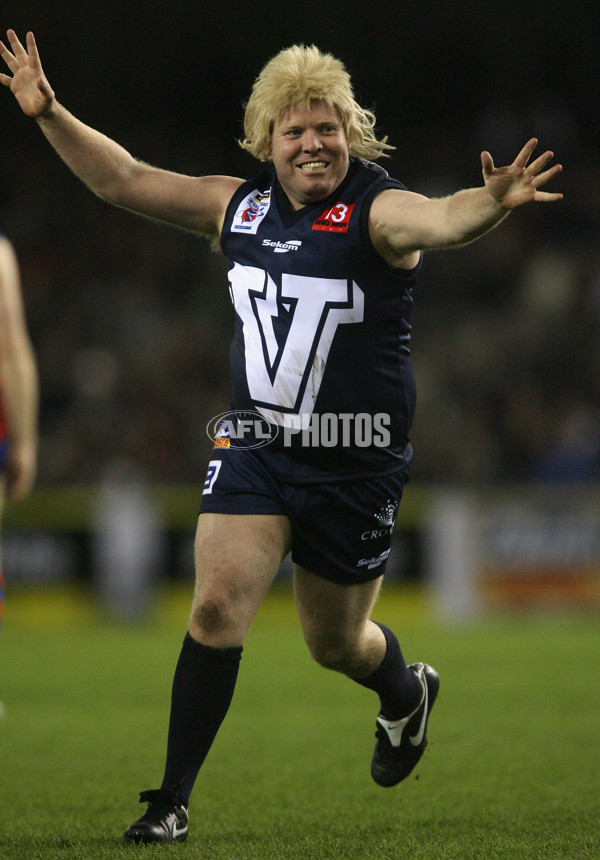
374, 562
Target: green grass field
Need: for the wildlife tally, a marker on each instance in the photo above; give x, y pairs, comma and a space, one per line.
512, 770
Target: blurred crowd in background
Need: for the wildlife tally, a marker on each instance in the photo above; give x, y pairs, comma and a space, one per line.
131, 321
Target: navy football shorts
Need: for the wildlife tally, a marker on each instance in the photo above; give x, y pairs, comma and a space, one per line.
341, 530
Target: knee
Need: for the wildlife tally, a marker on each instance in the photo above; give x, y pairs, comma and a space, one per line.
335, 655
210, 618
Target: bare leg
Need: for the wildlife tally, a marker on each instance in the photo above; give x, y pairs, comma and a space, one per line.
341, 636
336, 624
237, 558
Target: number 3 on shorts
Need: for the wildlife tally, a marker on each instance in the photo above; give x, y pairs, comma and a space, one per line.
211, 475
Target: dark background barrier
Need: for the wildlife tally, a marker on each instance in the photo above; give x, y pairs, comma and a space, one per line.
131, 321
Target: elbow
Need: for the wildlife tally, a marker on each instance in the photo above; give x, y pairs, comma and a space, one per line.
113, 191
116, 186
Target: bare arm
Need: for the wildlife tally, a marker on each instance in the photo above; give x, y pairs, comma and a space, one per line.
18, 378
403, 223
194, 203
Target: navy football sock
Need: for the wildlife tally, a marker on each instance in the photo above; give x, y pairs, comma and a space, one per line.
203, 687
399, 688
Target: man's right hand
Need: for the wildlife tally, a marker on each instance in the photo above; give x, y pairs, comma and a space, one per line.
28, 83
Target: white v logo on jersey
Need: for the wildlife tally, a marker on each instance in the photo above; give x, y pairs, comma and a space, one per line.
288, 332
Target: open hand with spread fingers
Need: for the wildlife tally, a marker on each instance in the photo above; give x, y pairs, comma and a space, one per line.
518, 183
28, 83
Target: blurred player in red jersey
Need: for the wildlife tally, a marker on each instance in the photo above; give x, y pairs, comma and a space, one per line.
18, 390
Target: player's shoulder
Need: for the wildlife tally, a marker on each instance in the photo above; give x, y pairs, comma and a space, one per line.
373, 168
261, 181
7, 253
249, 204
371, 180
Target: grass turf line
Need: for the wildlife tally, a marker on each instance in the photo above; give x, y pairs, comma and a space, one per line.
511, 772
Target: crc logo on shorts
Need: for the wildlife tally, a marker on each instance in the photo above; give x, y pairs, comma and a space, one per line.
370, 563
251, 211
240, 428
385, 519
335, 219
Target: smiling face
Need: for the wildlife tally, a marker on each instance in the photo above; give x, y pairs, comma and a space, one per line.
309, 151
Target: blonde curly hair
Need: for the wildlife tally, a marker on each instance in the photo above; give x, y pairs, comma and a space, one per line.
298, 76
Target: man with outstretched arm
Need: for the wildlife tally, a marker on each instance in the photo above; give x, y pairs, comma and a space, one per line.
324, 249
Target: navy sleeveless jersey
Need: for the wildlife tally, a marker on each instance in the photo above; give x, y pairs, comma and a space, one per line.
322, 326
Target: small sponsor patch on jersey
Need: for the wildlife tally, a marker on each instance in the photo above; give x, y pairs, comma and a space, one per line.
251, 211
282, 247
222, 439
335, 219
